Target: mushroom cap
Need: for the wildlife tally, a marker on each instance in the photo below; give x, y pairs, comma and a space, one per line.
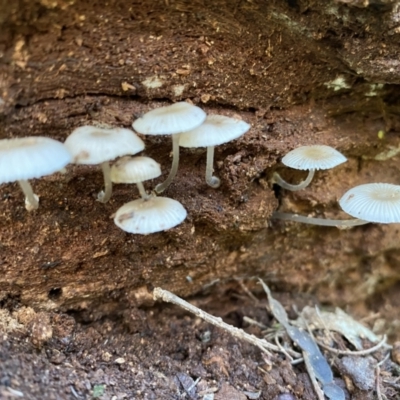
148, 216
31, 157
134, 169
373, 202
313, 157
170, 120
216, 130
91, 145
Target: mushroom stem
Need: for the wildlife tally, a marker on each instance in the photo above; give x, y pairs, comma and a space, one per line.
105, 195
276, 178
31, 199
142, 191
211, 180
341, 224
174, 168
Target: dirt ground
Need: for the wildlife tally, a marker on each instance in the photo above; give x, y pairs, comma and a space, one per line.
83, 322
159, 353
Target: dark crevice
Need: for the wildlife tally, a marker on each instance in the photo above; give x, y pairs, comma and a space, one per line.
55, 293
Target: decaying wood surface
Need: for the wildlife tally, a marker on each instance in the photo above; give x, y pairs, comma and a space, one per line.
300, 72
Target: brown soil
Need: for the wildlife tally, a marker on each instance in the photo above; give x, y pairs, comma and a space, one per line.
157, 354
276, 64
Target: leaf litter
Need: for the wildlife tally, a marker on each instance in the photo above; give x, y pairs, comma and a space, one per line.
355, 369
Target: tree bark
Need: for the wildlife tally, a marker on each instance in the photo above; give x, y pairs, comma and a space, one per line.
301, 72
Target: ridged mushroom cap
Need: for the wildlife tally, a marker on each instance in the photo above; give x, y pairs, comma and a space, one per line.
134, 169
313, 157
149, 216
31, 157
170, 120
373, 202
216, 130
92, 145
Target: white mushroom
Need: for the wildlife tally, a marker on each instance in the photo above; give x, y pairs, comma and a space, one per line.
216, 130
309, 158
170, 120
149, 216
31, 157
372, 202
135, 170
91, 145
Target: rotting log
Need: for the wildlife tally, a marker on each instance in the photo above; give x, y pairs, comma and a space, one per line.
300, 72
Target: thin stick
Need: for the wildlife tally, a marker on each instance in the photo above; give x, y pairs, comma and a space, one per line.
262, 370
378, 383
282, 348
310, 370
355, 353
161, 294
247, 291
252, 321
328, 332
192, 386
391, 383
264, 350
383, 360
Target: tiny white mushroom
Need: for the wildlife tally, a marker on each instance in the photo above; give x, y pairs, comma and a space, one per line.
170, 120
309, 158
91, 145
149, 216
135, 170
372, 202
216, 130
31, 157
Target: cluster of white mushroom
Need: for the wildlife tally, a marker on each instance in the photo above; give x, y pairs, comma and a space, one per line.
372, 202
33, 157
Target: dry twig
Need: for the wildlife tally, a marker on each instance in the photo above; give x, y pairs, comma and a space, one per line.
357, 352
161, 294
311, 374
